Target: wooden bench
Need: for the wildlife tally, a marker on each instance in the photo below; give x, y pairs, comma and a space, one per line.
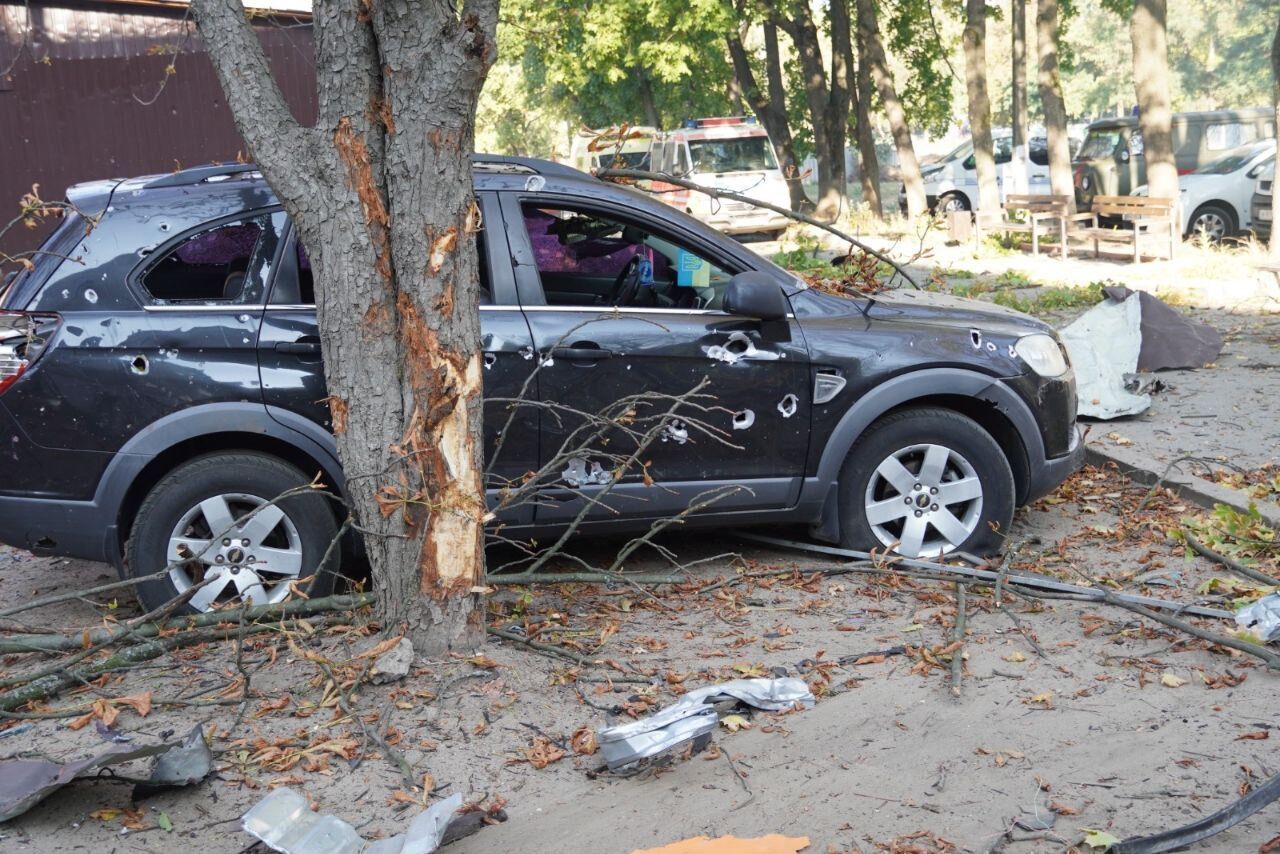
1148, 217
1039, 210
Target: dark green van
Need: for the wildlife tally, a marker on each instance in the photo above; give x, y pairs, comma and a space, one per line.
1110, 161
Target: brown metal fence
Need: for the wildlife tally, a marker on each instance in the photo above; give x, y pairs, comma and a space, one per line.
85, 94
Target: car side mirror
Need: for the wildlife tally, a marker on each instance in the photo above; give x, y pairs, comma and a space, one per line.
755, 294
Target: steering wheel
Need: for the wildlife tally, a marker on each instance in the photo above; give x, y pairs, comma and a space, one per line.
627, 284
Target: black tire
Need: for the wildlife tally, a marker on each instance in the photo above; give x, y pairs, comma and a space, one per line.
952, 202
233, 484
972, 459
1214, 221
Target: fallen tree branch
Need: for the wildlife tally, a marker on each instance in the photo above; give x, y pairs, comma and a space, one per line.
641, 175
48, 686
957, 657
1030, 582
1233, 565
249, 614
544, 648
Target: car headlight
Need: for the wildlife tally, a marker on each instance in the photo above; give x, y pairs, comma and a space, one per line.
1042, 354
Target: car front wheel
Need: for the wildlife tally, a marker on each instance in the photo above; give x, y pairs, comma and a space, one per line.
924, 483
219, 523
1212, 223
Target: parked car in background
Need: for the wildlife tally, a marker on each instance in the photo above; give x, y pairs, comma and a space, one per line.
1110, 162
951, 184
625, 146
1215, 199
1261, 206
161, 385
733, 154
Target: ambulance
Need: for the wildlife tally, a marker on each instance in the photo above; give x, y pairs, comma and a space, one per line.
732, 154
625, 146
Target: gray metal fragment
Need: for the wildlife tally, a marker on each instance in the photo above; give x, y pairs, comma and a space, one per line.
694, 715
185, 765
26, 782
1261, 618
283, 821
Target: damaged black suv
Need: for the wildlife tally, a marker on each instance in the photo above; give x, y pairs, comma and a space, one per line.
160, 377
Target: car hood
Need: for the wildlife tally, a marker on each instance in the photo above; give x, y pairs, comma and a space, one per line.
929, 307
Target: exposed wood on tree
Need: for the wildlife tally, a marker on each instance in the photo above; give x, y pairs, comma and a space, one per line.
1151, 84
975, 78
380, 190
869, 35
1049, 82
770, 107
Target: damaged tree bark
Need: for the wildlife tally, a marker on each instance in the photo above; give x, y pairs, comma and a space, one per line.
380, 190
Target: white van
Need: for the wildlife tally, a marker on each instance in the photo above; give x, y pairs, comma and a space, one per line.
951, 184
732, 154
624, 146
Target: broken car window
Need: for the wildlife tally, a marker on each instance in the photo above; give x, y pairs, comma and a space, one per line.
228, 263
585, 259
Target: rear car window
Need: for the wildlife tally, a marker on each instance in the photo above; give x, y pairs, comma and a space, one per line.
1221, 137
227, 263
57, 249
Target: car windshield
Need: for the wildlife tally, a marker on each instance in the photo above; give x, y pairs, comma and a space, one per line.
1099, 143
744, 154
1237, 159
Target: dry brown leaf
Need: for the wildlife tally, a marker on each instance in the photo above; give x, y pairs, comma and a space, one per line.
1259, 735
583, 741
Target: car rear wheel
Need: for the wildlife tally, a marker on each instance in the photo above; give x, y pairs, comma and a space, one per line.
952, 203
924, 483
218, 523
1211, 223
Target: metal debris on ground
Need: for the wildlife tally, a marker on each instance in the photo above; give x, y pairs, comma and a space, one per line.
285, 822
26, 782
1127, 333
185, 765
1262, 618
694, 717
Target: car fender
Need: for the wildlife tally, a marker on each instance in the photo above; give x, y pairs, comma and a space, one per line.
208, 420
916, 385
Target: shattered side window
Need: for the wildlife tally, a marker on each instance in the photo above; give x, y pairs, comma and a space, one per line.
228, 263
586, 259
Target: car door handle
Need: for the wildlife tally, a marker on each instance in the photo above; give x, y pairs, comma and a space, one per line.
301, 347
580, 354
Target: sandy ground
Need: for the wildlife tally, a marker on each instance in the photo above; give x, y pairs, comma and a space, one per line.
1085, 737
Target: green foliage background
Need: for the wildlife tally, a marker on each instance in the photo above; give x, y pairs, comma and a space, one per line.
566, 64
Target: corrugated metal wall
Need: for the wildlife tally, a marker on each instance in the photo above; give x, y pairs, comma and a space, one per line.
84, 95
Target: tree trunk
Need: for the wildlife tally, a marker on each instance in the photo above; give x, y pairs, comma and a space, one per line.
770, 109
651, 116
869, 35
975, 78
828, 137
381, 192
1151, 84
1021, 154
1273, 242
869, 162
841, 95
1055, 109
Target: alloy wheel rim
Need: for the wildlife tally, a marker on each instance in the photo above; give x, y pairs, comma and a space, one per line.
242, 546
926, 500
1210, 226
953, 205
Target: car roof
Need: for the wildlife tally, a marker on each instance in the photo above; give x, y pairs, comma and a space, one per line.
1247, 114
